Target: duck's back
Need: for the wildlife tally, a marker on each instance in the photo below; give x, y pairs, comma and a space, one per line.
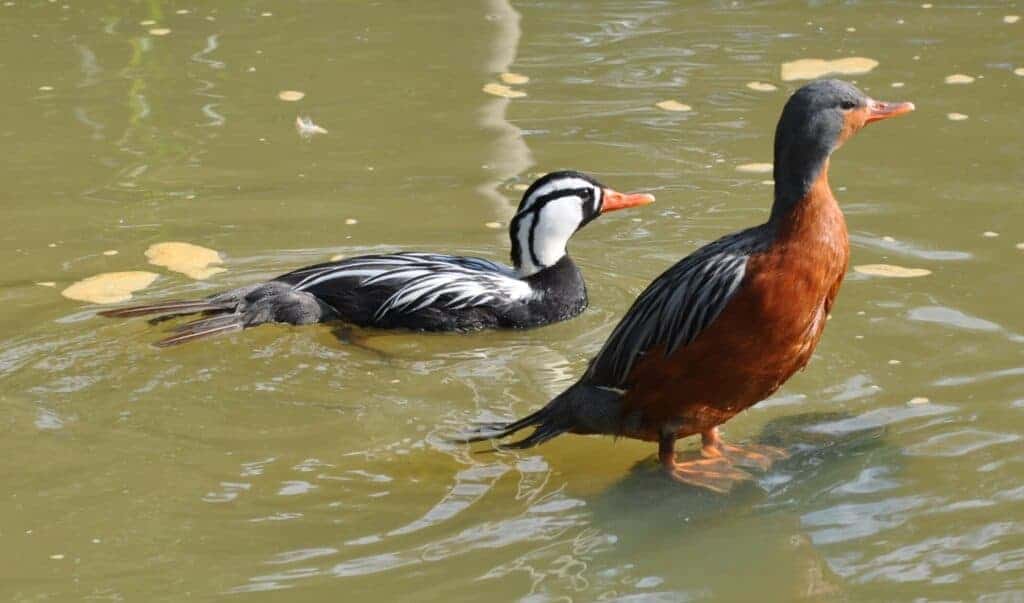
766, 331
426, 292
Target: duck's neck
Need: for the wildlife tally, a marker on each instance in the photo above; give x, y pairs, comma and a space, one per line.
560, 288
814, 218
529, 262
535, 248
800, 173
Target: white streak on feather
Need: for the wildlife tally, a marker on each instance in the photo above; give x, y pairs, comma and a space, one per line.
427, 278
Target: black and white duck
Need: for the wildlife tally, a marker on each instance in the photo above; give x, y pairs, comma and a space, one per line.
426, 291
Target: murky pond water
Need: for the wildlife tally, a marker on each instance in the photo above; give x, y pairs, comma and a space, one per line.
280, 459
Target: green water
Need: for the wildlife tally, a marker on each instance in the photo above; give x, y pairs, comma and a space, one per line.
282, 464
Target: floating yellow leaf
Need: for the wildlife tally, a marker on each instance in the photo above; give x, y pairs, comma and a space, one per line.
519, 186
926, 5
110, 252
1020, 246
956, 116
503, 91
159, 31
351, 221
762, 86
959, 78
147, 22
990, 234
755, 168
918, 401
514, 78
109, 287
1019, 71
46, 284
671, 105
1011, 18
337, 257
896, 84
492, 224
291, 96
890, 270
191, 260
808, 69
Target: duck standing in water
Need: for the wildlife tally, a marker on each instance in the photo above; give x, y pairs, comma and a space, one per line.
427, 291
726, 326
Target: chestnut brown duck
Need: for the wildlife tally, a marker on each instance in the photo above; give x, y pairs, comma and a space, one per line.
726, 326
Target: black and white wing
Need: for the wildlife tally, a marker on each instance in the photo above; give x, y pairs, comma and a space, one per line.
413, 281
675, 308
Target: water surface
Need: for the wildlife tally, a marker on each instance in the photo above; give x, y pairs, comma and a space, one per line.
281, 459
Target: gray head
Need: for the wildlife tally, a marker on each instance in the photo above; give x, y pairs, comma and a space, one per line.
816, 121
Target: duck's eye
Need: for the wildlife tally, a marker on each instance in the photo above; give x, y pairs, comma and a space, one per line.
847, 105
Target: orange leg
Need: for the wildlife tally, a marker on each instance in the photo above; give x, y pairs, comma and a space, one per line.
715, 474
754, 456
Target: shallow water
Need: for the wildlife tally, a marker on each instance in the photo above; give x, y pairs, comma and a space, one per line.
284, 459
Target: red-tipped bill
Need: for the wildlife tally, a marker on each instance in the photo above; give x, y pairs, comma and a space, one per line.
614, 200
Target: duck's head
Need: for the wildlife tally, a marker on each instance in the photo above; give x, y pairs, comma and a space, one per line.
553, 208
816, 121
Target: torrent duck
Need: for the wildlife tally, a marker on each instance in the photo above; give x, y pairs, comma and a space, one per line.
426, 291
726, 326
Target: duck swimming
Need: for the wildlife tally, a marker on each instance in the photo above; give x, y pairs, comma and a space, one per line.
426, 291
726, 326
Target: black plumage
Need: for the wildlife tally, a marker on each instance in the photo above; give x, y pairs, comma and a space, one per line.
426, 291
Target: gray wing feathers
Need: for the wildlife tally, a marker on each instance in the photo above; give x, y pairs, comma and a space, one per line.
675, 308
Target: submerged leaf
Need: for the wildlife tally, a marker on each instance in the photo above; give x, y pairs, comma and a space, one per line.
191, 260
502, 90
672, 105
514, 78
291, 96
890, 270
959, 78
809, 69
109, 287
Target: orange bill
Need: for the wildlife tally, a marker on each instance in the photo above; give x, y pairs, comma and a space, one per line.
614, 200
878, 110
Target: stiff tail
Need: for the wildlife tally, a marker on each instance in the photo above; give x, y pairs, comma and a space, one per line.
202, 328
171, 308
550, 421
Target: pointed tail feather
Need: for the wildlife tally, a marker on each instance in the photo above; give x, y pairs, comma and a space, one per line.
583, 409
550, 421
203, 328
171, 308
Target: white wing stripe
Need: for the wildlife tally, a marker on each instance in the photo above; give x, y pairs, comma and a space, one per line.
423, 279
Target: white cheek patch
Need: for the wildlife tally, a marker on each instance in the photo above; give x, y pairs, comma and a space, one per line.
557, 221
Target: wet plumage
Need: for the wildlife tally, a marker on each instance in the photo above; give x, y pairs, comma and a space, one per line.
426, 291
726, 326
